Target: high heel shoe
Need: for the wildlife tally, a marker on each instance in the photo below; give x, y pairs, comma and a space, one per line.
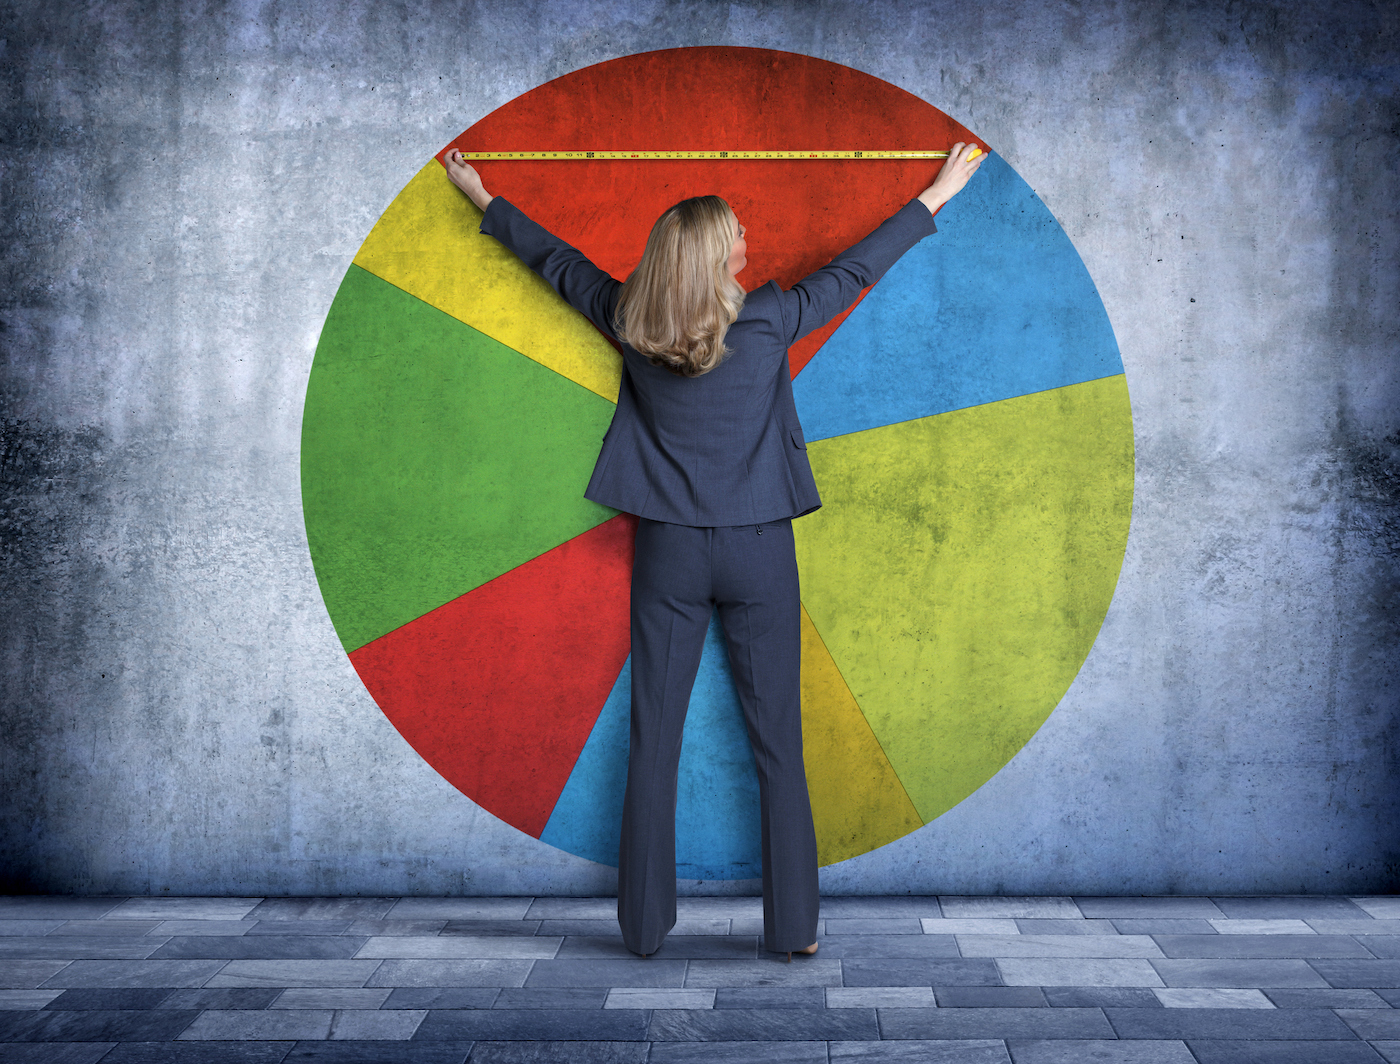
809, 951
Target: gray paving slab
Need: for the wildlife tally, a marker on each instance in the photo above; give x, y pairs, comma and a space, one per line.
460, 909
261, 947
355, 1025
373, 928
618, 1025
1382, 907
497, 928
1063, 927
1228, 926
545, 1052
28, 928
1101, 1051
135, 973
1070, 946
322, 908
658, 997
738, 1053
221, 1025
292, 972
972, 926
1148, 908
1059, 971
607, 973
1101, 997
1326, 999
578, 909
808, 971
199, 1053
709, 925
880, 997
26, 999
973, 971
902, 925
1262, 974
183, 908
495, 947
96, 1025
1389, 1050
1260, 946
1376, 975
990, 997
1367, 926
1001, 1023
921, 1051
1206, 997
1228, 1023
731, 908
1298, 907
55, 1052
1386, 947
331, 997
79, 946
1017, 908
222, 928
776, 1025
550, 997
55, 907
248, 997
588, 928
116, 997
1390, 995
673, 947
376, 1052
887, 946
770, 997
446, 997
450, 973
27, 975
301, 927
1372, 1024
881, 908
1225, 1051
1133, 926
89, 928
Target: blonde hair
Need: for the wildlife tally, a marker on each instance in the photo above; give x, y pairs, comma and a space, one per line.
681, 299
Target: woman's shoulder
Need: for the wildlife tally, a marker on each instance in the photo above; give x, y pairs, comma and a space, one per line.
765, 301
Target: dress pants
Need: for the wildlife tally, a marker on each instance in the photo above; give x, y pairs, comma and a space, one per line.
680, 576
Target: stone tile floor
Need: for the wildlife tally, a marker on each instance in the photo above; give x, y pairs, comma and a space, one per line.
512, 980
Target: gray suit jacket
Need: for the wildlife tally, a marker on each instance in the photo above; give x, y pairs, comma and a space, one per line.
724, 448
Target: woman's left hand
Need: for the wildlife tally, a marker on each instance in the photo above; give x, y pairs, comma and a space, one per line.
464, 176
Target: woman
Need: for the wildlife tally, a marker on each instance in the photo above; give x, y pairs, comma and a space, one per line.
706, 449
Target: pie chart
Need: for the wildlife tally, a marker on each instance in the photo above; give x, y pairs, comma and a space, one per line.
967, 420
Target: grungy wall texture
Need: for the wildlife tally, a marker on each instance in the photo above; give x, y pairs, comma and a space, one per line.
184, 186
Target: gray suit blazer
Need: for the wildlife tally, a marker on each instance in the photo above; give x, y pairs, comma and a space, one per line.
724, 448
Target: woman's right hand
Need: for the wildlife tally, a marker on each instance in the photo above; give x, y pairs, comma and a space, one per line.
959, 166
464, 176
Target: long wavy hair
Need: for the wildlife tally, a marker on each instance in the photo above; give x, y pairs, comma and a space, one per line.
681, 299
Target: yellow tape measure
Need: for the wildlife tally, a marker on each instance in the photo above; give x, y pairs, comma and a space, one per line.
488, 156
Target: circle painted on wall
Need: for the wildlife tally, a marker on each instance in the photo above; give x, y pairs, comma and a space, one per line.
967, 421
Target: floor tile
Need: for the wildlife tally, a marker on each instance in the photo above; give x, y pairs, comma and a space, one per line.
1069, 946
921, 1051
1227, 1023
54, 1052
260, 1025
738, 1053
770, 997
1260, 946
994, 1023
129, 928
1366, 926
1238, 973
1189, 997
1101, 997
1372, 1023
889, 947
186, 928
576, 909
396, 1025
1326, 999
1055, 971
322, 908
300, 927
379, 1052
586, 928
291, 973
26, 999
450, 973
905, 925
1387, 947
543, 1052
658, 997
707, 925
445, 997
459, 909
460, 948
89, 946
673, 948
1388, 994
381, 928
1376, 975
1011, 908
550, 997
809, 971
1382, 907
28, 928
136, 973
1298, 907
1133, 926
779, 1025
533, 1024
129, 997
183, 908
881, 908
1261, 927
732, 908
331, 997
991, 997
588, 972
27, 975
879, 997
95, 1025
200, 1053
253, 997
49, 907
975, 971
1282, 1052
1103, 1051
496, 928
1148, 908
1388, 1050
971, 926
1064, 927
261, 947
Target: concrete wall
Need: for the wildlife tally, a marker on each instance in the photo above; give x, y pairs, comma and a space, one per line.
184, 186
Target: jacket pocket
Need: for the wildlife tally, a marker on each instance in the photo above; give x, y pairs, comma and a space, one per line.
797, 440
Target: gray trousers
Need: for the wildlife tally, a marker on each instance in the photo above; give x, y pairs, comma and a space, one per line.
680, 576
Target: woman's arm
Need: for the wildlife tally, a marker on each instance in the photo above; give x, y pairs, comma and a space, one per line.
583, 285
